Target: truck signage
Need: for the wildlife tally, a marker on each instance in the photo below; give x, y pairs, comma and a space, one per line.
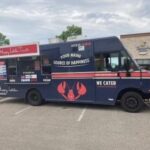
75, 60
19, 51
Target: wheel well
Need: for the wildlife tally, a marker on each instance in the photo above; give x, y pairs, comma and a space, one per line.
31, 89
129, 90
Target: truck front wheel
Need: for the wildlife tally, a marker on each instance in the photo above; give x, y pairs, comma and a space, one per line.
132, 102
34, 98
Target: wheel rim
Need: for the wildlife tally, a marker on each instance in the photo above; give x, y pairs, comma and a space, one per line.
132, 102
34, 97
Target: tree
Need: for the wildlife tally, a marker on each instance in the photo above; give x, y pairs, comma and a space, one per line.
3, 40
70, 31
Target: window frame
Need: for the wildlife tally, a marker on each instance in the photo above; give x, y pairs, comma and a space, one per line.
25, 60
16, 67
41, 60
103, 54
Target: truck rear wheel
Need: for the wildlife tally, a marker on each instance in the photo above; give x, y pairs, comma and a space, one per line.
132, 102
34, 98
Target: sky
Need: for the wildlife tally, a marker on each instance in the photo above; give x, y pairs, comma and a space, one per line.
27, 21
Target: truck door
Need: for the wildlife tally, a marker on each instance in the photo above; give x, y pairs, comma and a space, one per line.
106, 77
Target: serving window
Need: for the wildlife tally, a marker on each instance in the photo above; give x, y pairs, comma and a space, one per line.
12, 67
46, 65
29, 65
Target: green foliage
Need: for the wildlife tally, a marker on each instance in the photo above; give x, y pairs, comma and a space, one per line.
70, 31
3, 40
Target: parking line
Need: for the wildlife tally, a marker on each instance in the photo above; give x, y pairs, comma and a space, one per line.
5, 99
81, 115
22, 110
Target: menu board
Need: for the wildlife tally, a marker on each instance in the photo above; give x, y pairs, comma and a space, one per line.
3, 73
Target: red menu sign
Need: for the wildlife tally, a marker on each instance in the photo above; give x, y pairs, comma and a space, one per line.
19, 51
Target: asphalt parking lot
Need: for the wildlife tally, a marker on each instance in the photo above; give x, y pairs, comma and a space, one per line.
56, 126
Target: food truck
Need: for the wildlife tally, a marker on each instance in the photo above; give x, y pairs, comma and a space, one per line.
93, 71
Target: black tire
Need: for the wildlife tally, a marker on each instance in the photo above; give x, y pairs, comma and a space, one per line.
132, 102
34, 98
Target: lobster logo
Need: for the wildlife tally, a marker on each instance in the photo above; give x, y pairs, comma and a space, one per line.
71, 94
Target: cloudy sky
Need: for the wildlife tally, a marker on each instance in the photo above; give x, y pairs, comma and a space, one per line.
37, 20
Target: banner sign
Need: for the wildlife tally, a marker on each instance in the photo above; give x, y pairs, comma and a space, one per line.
19, 51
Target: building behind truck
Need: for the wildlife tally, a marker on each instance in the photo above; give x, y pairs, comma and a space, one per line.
139, 47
